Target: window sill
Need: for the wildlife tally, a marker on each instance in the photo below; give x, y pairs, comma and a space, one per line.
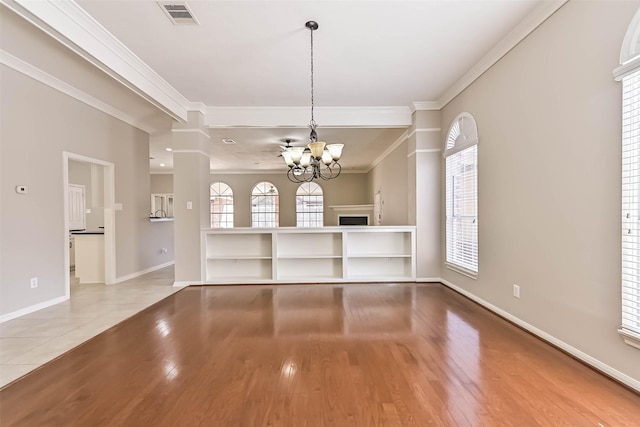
630, 338
462, 270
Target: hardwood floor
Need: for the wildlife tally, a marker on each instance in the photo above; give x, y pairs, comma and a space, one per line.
355, 355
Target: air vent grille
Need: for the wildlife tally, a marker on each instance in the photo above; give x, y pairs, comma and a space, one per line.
178, 13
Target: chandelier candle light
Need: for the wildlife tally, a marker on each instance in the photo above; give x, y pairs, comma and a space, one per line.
317, 159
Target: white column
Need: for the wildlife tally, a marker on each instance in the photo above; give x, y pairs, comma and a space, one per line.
424, 157
191, 195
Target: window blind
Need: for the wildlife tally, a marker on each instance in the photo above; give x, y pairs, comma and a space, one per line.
631, 204
462, 208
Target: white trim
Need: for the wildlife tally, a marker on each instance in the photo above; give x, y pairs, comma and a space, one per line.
142, 272
630, 337
425, 106
200, 131
32, 308
626, 68
388, 151
461, 270
425, 150
428, 280
423, 130
629, 50
72, 26
192, 151
511, 40
352, 207
199, 107
589, 360
47, 79
188, 283
385, 117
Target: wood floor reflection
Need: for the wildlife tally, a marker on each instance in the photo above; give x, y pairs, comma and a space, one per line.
355, 355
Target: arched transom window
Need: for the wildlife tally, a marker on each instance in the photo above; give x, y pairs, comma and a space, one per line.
461, 167
309, 205
264, 205
221, 205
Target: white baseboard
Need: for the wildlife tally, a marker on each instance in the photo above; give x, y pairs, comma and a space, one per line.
183, 284
428, 279
31, 309
140, 273
589, 360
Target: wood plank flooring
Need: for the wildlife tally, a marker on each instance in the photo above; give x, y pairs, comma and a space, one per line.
354, 355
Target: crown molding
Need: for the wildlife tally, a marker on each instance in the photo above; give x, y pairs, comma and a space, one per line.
425, 106
508, 42
47, 79
221, 117
72, 26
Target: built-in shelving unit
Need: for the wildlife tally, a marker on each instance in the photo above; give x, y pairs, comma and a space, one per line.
383, 253
304, 255
238, 257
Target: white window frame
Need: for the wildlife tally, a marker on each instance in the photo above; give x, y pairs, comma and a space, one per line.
221, 191
265, 205
629, 74
461, 199
309, 195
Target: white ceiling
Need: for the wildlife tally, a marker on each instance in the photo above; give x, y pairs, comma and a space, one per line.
256, 54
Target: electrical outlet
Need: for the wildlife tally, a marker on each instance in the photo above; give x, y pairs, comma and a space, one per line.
34, 282
516, 291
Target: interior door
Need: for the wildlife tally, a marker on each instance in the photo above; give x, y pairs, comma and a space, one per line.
77, 209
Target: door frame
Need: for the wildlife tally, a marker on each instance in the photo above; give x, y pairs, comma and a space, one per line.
109, 216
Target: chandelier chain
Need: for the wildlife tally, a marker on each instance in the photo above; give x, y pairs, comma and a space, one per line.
313, 122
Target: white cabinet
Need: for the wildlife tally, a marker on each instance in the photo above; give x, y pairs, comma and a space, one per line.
296, 255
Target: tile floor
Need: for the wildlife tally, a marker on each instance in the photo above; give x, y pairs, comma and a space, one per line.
32, 340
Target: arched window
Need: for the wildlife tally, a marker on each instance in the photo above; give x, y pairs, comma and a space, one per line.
309, 205
264, 205
461, 170
221, 197
629, 74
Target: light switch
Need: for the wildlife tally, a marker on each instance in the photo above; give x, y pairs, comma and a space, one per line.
22, 189
189, 205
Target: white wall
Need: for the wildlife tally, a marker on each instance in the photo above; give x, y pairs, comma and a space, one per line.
549, 124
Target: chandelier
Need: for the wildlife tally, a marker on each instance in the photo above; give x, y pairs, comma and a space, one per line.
317, 159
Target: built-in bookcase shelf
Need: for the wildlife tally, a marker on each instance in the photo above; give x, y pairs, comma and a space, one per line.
329, 254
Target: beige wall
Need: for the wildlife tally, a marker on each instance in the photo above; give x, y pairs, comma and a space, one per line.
391, 177
162, 183
347, 189
549, 125
38, 123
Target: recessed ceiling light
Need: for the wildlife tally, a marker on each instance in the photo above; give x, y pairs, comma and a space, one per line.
162, 165
168, 149
228, 141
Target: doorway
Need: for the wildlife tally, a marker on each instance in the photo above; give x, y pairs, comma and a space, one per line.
101, 181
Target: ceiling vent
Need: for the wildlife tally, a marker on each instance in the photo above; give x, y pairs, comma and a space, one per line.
178, 13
